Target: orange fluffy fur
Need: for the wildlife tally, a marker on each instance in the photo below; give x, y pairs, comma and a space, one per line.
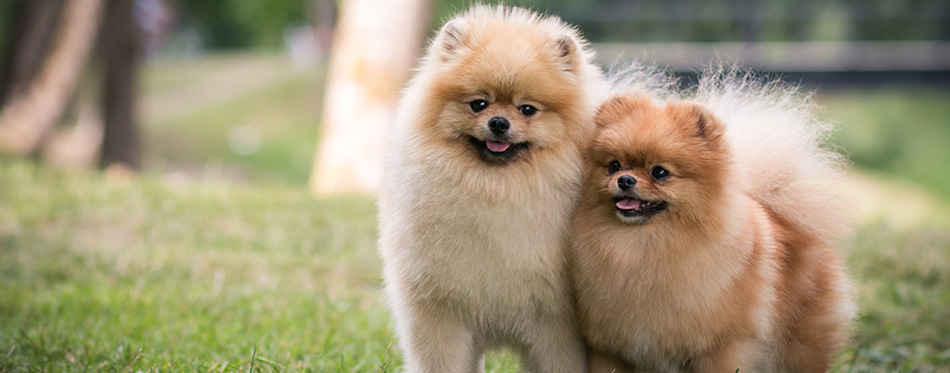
736, 268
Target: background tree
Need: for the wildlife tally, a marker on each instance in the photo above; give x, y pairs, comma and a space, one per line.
31, 34
28, 116
121, 51
374, 48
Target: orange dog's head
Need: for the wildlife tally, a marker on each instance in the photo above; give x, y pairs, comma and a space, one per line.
653, 161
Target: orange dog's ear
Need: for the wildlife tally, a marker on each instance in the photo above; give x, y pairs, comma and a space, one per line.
702, 123
451, 39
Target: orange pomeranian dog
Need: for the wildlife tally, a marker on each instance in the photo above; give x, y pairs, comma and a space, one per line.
483, 172
704, 240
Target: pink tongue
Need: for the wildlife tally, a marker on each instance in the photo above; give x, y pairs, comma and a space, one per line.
628, 204
497, 147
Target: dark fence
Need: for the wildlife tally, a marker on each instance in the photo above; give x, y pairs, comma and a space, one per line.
810, 63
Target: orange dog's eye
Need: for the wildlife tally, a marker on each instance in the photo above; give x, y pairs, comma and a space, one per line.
527, 110
659, 173
478, 105
613, 166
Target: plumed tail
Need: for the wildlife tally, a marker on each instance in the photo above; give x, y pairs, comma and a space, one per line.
782, 154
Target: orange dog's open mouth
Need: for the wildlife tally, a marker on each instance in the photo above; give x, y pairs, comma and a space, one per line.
631, 207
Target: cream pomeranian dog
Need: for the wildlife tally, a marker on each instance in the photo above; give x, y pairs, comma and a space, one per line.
705, 237
483, 172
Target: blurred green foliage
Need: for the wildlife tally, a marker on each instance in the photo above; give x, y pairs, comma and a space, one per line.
900, 132
743, 20
243, 24
260, 23
260, 92
220, 24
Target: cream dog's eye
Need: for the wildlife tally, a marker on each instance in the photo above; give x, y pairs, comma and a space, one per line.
527, 110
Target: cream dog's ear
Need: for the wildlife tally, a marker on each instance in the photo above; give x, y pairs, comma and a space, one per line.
451, 39
568, 53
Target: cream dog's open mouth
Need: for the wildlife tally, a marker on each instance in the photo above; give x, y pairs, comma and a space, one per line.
497, 151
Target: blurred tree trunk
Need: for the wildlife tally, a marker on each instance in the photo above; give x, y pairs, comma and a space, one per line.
121, 52
27, 117
374, 48
34, 25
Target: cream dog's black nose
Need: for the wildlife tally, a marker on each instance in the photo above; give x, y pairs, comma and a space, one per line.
498, 125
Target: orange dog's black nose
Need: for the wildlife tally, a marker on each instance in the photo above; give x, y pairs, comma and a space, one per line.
498, 125
626, 181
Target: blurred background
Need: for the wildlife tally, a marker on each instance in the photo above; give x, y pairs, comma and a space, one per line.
236, 90
267, 101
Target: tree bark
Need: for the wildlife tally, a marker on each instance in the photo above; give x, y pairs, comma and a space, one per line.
121, 54
374, 49
31, 38
29, 116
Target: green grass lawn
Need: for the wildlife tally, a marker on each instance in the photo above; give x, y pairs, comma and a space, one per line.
136, 274
99, 274
213, 260
144, 274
